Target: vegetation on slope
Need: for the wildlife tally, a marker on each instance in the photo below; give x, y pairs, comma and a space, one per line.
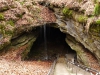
97, 9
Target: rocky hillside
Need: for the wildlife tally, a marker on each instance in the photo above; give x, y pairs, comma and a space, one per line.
78, 19
18, 20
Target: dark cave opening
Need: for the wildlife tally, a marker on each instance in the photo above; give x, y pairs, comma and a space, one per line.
55, 44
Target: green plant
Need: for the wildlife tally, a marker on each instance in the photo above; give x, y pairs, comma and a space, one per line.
4, 8
21, 3
1, 16
9, 33
98, 22
97, 9
79, 1
2, 29
82, 19
95, 28
11, 22
95, 1
66, 11
70, 12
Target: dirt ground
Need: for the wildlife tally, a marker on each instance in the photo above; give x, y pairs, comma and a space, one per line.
24, 67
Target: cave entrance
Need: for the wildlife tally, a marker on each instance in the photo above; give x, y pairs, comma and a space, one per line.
54, 40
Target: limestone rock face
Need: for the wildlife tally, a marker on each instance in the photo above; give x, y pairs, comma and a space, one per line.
82, 31
84, 44
79, 20
18, 17
19, 47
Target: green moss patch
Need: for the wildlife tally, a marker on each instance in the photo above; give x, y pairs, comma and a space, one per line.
21, 3
4, 8
2, 29
79, 1
98, 22
97, 9
82, 19
7, 28
67, 12
11, 22
95, 1
9, 33
1, 16
95, 29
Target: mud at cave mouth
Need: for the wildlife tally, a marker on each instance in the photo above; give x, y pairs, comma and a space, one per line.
50, 42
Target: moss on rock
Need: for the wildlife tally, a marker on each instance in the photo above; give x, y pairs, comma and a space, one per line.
67, 12
98, 22
27, 50
1, 16
11, 22
95, 29
82, 19
97, 9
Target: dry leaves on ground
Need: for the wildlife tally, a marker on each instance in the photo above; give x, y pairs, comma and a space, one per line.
24, 67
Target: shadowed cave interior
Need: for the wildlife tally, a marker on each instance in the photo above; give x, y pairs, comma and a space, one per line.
49, 43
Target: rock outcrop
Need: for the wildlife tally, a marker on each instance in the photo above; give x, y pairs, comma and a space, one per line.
18, 18
79, 20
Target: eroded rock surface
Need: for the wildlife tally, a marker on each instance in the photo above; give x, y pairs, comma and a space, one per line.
20, 17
